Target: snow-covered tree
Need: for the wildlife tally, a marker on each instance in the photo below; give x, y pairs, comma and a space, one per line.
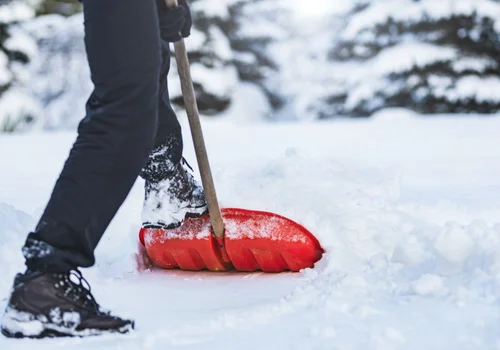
431, 56
62, 7
254, 26
229, 44
18, 111
306, 73
62, 57
212, 63
60, 76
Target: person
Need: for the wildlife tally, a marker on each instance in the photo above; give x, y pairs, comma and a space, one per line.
129, 130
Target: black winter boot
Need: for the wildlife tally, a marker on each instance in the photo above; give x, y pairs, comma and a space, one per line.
168, 202
56, 305
171, 192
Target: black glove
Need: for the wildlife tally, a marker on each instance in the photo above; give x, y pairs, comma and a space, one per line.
175, 22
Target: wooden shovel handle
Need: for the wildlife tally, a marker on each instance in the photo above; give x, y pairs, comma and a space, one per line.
197, 134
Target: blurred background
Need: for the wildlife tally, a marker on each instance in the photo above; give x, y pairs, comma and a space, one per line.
272, 60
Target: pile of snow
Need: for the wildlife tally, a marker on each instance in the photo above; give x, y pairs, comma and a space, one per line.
368, 234
14, 227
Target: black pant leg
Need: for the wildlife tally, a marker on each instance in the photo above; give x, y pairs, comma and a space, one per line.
168, 136
114, 139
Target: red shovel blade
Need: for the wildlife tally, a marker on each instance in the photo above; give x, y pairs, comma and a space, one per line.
189, 247
254, 240
257, 240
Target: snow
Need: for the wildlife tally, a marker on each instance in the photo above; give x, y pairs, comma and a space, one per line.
261, 27
29, 326
405, 56
462, 246
413, 12
16, 11
62, 57
18, 110
213, 8
483, 89
220, 44
476, 64
33, 327
429, 284
220, 82
304, 10
407, 209
5, 74
21, 42
383, 55
249, 105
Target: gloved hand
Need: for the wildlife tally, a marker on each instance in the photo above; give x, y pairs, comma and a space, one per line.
175, 22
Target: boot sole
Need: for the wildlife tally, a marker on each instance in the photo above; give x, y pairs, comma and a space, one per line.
45, 334
26, 329
52, 333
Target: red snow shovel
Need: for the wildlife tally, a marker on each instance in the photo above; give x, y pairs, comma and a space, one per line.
231, 238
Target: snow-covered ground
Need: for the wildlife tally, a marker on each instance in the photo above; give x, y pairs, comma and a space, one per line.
407, 209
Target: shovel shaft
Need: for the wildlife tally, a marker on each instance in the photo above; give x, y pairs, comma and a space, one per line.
197, 134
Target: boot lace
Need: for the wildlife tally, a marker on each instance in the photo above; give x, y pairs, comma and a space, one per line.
80, 291
184, 161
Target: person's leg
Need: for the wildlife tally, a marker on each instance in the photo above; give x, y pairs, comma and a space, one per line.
169, 129
113, 143
171, 193
115, 138
168, 144
168, 124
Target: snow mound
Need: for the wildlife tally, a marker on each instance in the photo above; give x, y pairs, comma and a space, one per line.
14, 227
376, 252
429, 284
